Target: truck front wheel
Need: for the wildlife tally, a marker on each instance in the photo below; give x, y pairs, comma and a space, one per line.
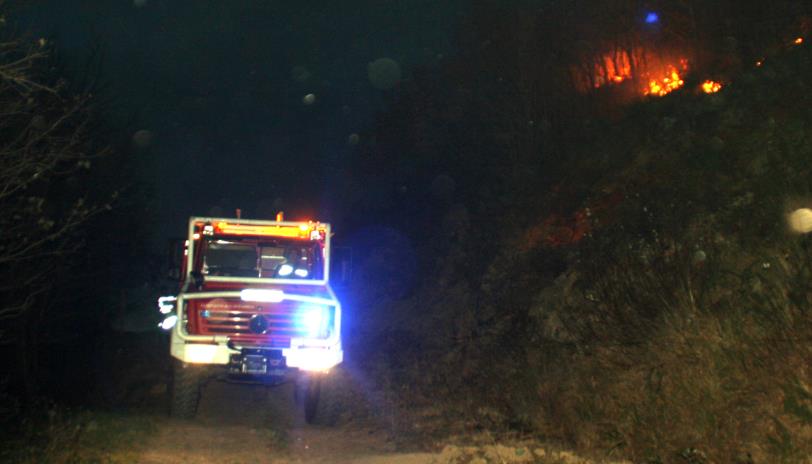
184, 389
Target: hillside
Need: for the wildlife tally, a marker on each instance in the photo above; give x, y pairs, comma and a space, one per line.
652, 304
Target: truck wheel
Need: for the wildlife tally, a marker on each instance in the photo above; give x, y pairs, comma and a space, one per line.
311, 398
184, 389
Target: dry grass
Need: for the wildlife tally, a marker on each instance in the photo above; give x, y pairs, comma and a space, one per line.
719, 374
66, 437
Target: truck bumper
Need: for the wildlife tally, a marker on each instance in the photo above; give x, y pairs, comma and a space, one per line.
301, 356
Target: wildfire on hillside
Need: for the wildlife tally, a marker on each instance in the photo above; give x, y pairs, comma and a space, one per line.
667, 84
710, 86
655, 76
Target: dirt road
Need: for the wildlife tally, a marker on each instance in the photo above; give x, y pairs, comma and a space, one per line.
255, 424
242, 424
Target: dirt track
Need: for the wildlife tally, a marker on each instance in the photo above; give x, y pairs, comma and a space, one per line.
254, 424
244, 424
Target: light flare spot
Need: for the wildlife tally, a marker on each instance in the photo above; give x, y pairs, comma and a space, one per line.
384, 73
800, 220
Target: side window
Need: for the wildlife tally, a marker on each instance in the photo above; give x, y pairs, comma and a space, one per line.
230, 259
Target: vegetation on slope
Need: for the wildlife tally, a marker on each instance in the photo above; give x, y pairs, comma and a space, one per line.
671, 327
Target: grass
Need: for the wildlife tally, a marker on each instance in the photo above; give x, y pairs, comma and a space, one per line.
68, 437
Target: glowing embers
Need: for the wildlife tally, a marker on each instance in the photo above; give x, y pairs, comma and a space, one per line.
665, 85
710, 86
798, 41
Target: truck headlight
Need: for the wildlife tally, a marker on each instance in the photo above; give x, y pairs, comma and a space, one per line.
169, 322
166, 304
315, 321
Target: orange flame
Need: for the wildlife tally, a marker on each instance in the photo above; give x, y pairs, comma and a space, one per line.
710, 86
659, 77
666, 85
614, 69
798, 41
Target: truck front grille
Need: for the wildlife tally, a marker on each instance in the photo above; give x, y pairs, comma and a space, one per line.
234, 319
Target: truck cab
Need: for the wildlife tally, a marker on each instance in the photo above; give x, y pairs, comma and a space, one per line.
254, 305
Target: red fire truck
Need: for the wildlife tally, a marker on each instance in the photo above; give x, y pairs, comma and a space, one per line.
254, 304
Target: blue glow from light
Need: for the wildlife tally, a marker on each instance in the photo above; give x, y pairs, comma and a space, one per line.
652, 18
313, 320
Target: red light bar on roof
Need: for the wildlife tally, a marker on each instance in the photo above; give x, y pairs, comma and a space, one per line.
303, 231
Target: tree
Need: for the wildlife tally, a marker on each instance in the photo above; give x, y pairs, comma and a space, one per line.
47, 149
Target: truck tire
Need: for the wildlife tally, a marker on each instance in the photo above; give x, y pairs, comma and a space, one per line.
311, 398
184, 389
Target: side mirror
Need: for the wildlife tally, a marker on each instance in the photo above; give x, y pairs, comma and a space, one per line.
174, 259
341, 266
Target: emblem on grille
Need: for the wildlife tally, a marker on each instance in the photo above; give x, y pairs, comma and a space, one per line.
258, 324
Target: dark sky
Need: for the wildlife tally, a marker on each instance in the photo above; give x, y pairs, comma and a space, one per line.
217, 84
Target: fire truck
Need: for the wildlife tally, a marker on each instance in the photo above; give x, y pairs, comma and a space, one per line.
254, 305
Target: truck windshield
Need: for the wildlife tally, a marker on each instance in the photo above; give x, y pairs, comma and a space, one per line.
280, 259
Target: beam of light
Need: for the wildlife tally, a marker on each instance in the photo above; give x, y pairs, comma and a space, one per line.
169, 322
285, 270
313, 359
166, 304
200, 354
262, 295
314, 320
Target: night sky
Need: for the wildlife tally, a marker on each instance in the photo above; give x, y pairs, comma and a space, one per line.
221, 88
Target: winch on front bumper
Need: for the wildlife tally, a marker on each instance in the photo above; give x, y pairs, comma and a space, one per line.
258, 363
